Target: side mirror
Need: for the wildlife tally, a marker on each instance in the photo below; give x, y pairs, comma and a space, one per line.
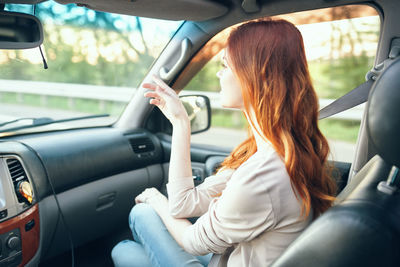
19, 31
198, 109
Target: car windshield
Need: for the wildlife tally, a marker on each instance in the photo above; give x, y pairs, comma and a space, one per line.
95, 61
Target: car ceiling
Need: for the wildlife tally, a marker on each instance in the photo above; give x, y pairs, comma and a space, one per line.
194, 10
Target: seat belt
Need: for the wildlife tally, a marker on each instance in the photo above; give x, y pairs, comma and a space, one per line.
353, 98
360, 94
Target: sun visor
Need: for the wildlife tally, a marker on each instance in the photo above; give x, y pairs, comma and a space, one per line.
162, 9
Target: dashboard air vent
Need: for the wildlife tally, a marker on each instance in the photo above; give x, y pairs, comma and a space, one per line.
18, 175
141, 145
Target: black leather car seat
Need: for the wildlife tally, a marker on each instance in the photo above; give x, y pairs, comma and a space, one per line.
363, 227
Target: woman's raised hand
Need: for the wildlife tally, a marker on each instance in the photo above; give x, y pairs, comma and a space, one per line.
165, 98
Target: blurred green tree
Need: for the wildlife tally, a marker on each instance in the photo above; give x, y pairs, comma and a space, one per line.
79, 62
349, 61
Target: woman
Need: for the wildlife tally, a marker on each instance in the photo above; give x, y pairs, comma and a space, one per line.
269, 188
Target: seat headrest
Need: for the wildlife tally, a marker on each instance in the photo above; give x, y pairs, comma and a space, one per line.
383, 114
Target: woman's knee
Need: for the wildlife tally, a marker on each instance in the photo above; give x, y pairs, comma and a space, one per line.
140, 214
119, 252
128, 253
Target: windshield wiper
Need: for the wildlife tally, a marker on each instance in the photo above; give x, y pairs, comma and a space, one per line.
45, 121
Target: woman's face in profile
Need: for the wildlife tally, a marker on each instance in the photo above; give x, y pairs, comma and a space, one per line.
231, 95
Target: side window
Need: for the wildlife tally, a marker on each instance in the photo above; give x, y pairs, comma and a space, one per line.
95, 62
340, 45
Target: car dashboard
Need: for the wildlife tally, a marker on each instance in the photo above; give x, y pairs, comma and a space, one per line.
83, 186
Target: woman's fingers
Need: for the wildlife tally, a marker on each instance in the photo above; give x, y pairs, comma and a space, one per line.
166, 99
163, 86
151, 94
154, 88
159, 82
150, 86
156, 102
159, 87
146, 194
156, 99
139, 199
156, 94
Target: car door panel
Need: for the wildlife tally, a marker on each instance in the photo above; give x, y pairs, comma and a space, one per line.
94, 209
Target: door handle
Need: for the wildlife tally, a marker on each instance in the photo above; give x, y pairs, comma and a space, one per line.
186, 46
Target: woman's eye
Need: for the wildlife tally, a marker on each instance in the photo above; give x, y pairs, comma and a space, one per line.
223, 65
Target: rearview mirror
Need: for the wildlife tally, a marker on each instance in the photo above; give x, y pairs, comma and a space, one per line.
19, 31
199, 111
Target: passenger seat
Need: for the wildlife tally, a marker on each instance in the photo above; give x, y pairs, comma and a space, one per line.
363, 227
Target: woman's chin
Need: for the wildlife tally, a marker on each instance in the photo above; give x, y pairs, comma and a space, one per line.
224, 105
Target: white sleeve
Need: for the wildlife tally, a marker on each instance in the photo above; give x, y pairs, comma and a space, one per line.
242, 213
186, 201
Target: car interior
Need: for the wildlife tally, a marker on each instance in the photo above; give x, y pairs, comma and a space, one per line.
66, 191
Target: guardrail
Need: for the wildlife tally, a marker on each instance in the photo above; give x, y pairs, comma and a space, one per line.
104, 94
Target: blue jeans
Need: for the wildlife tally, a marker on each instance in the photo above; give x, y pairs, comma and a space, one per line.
153, 245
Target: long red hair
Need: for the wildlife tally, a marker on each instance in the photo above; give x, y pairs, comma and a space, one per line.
268, 58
